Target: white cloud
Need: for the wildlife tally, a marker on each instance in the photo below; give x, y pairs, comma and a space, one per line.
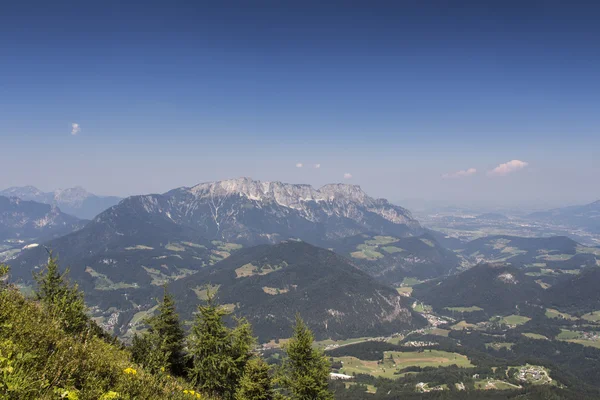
75, 128
507, 168
317, 166
460, 174
299, 165
347, 175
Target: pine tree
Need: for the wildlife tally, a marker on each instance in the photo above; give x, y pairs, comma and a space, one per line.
166, 336
62, 301
219, 354
304, 373
256, 383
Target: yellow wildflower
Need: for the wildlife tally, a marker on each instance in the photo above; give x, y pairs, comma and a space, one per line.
130, 371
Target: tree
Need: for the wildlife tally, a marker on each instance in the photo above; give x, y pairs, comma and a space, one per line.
256, 383
304, 373
61, 299
219, 354
162, 346
4, 270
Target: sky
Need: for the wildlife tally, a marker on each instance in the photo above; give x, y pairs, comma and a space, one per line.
461, 102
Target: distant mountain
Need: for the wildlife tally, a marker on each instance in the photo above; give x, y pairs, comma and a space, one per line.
75, 201
125, 252
28, 220
555, 252
497, 288
585, 217
269, 284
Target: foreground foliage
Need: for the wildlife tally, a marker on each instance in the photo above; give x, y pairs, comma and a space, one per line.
39, 359
50, 349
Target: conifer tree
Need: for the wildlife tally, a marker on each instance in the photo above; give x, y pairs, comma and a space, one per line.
63, 301
256, 383
167, 333
304, 373
219, 354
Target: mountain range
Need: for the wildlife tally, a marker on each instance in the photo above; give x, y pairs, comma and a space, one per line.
25, 221
126, 252
75, 201
585, 217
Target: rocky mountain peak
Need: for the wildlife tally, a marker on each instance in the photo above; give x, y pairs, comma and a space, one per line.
71, 196
24, 193
285, 194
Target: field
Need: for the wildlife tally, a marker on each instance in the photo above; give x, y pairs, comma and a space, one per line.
552, 313
584, 342
464, 309
567, 335
394, 361
328, 343
512, 319
202, 291
594, 316
535, 336
494, 384
462, 325
372, 249
421, 308
405, 290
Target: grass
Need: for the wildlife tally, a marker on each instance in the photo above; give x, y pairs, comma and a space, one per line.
420, 307
512, 319
246, 270
202, 291
392, 249
251, 269
439, 332
330, 342
566, 334
394, 361
494, 384
274, 291
552, 313
197, 246
464, 309
410, 281
535, 336
227, 246
543, 284
102, 282
584, 342
139, 247
79, 366
589, 250
462, 325
367, 254
594, 316
174, 247
406, 290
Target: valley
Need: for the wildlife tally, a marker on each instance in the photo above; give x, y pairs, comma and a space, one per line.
459, 304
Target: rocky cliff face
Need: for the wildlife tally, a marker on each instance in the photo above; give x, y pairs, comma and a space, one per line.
257, 212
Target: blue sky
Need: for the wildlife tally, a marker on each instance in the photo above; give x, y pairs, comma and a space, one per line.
401, 95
